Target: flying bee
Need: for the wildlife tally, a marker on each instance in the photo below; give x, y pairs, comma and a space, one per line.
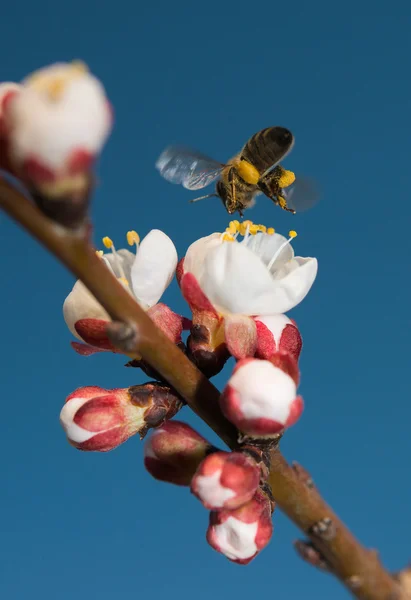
253, 171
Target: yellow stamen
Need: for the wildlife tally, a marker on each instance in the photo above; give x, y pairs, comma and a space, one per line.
254, 229
108, 242
262, 228
133, 238
270, 231
231, 229
244, 226
227, 237
292, 235
123, 280
287, 178
99, 253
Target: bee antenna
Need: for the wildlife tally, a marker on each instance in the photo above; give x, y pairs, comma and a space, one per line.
203, 197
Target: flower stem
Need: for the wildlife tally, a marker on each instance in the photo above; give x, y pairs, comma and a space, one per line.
358, 568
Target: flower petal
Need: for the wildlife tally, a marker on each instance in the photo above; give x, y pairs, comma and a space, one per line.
123, 259
78, 119
296, 277
81, 304
196, 253
266, 247
236, 281
153, 268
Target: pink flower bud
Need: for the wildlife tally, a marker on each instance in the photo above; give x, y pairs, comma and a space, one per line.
56, 126
242, 533
96, 419
59, 121
173, 453
277, 333
226, 480
260, 398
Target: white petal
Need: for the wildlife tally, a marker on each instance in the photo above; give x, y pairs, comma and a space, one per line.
153, 268
266, 246
265, 391
296, 278
236, 281
81, 304
74, 432
196, 253
124, 259
50, 131
210, 490
236, 539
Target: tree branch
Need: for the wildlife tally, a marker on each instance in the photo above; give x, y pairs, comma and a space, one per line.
358, 568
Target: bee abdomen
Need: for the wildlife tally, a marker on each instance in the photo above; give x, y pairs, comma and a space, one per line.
267, 147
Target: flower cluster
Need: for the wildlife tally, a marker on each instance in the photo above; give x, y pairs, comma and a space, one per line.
238, 285
226, 483
236, 291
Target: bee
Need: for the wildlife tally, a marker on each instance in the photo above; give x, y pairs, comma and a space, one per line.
254, 170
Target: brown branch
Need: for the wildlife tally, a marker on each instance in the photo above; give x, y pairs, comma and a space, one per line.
358, 568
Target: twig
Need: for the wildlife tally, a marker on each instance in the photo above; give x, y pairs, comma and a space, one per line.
358, 568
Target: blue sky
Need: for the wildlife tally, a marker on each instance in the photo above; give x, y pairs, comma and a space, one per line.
210, 75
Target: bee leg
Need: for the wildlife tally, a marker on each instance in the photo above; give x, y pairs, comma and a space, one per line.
233, 191
281, 201
231, 205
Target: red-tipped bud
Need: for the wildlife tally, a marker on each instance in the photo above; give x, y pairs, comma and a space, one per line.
277, 333
56, 126
96, 419
260, 399
173, 453
226, 480
242, 533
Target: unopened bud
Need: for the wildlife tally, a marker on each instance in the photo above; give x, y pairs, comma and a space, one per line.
173, 452
260, 399
308, 552
242, 533
226, 480
56, 126
277, 333
96, 419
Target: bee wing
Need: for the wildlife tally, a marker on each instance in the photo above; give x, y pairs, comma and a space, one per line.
188, 167
303, 194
